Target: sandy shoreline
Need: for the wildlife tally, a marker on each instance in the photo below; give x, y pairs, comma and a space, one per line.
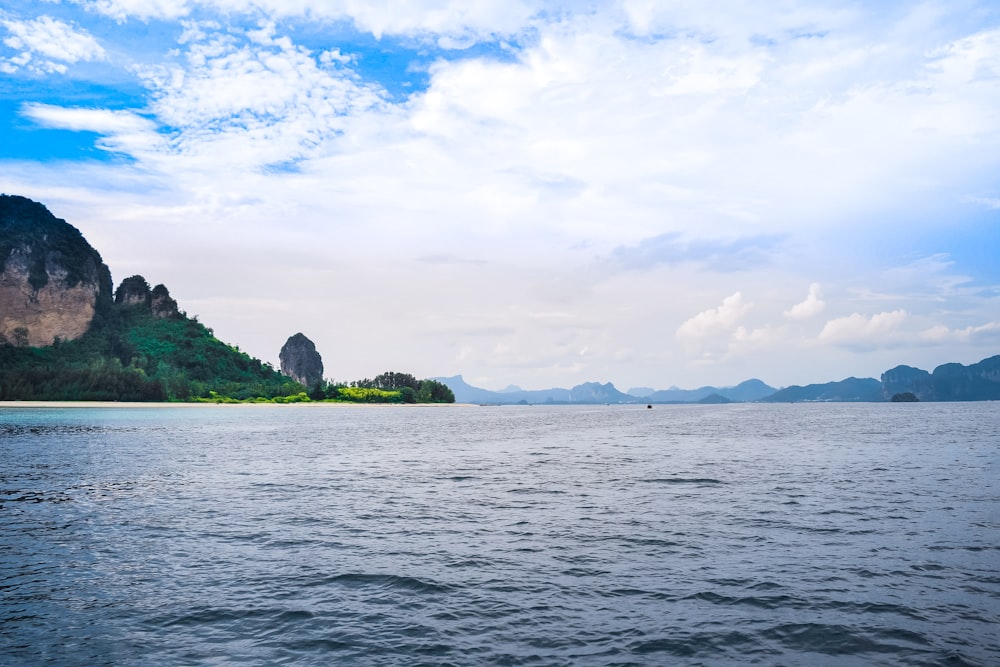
116, 404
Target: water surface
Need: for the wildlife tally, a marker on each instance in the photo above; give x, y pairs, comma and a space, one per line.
833, 534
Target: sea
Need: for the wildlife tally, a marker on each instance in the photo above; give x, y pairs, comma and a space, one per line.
795, 534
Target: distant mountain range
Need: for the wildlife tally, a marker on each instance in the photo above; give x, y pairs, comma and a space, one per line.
949, 382
852, 390
587, 393
596, 393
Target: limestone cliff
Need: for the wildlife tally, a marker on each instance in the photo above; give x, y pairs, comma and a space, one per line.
52, 282
300, 361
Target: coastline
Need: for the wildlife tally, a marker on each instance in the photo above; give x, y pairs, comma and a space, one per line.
125, 404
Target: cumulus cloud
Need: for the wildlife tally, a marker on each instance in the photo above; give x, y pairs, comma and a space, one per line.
710, 327
856, 330
813, 304
47, 45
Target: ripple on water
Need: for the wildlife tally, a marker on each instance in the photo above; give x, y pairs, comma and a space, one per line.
793, 535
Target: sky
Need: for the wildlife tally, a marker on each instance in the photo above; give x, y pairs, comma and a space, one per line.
528, 192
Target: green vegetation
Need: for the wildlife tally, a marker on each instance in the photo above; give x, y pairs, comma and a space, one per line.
363, 395
390, 387
139, 346
131, 355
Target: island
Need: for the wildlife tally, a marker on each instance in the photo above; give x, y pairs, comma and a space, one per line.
66, 336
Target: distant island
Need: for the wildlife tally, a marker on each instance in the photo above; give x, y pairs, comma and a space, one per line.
66, 335
949, 382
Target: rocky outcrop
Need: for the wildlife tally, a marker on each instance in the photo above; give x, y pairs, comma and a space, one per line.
300, 360
134, 292
52, 282
161, 305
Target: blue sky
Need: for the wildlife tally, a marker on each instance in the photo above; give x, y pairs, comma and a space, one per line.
526, 192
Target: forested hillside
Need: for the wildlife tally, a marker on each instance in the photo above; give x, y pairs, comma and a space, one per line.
130, 354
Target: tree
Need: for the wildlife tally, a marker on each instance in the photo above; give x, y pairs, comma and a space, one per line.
20, 336
317, 392
393, 381
432, 391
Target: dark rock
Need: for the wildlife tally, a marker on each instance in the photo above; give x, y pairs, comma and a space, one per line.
300, 360
905, 397
133, 291
161, 305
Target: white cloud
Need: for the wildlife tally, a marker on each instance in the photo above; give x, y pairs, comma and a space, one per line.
144, 10
771, 141
48, 45
252, 99
103, 121
456, 20
856, 330
710, 328
718, 20
943, 334
746, 340
124, 131
813, 304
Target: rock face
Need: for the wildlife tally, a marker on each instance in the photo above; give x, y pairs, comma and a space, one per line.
300, 361
134, 292
52, 282
161, 305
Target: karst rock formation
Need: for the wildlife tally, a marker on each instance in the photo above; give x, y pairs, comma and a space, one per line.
300, 361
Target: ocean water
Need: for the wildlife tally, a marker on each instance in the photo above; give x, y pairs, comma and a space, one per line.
808, 534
